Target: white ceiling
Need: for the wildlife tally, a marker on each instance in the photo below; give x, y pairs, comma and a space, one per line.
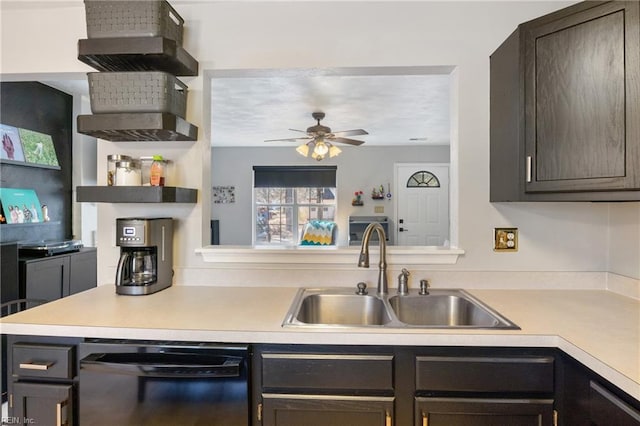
394, 105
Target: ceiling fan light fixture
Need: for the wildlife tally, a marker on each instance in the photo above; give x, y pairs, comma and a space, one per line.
317, 156
321, 148
334, 151
303, 149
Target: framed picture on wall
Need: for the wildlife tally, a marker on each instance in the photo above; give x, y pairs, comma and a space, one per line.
38, 148
20, 205
11, 145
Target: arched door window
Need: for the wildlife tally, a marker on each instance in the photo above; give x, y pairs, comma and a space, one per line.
423, 179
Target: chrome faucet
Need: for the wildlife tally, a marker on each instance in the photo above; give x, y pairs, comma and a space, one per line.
363, 260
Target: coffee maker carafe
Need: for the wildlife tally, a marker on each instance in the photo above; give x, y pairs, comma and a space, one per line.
146, 255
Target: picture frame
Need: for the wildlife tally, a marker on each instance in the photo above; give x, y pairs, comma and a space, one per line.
21, 206
224, 194
11, 144
26, 147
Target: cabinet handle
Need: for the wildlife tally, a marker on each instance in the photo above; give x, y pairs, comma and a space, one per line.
387, 419
35, 366
260, 412
425, 420
59, 406
555, 417
529, 160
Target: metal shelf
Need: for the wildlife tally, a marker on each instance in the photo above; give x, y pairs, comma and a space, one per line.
140, 126
137, 54
136, 194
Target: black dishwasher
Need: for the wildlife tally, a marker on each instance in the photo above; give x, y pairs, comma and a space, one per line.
153, 383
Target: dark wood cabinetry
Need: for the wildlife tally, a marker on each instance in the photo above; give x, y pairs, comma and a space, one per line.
43, 386
402, 386
585, 398
483, 411
54, 277
565, 106
324, 386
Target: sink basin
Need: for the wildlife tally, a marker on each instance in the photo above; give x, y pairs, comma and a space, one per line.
341, 307
446, 309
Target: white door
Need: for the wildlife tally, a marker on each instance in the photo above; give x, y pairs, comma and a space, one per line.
422, 204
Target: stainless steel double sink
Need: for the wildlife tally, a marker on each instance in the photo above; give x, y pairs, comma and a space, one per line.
441, 308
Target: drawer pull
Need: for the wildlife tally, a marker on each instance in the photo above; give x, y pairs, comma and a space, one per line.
425, 419
59, 406
388, 419
36, 366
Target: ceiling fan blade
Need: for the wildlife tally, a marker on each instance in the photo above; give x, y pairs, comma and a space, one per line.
289, 140
354, 132
345, 140
296, 130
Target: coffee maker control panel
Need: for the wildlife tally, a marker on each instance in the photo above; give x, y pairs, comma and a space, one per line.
131, 233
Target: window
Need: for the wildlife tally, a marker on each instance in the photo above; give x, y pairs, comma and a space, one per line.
423, 179
286, 198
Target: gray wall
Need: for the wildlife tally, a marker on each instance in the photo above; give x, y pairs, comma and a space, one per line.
359, 168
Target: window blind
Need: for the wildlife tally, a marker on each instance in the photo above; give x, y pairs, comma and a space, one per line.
294, 176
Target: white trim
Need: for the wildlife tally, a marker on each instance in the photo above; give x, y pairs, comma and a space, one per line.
326, 256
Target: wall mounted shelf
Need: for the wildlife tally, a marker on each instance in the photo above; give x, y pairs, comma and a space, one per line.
136, 194
140, 126
137, 54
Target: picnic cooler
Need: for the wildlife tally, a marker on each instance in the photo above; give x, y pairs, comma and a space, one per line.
137, 91
149, 18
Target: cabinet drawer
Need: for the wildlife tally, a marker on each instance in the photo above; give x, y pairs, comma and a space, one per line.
42, 360
327, 371
484, 374
607, 409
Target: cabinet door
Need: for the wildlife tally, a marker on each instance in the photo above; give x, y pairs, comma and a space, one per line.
42, 403
582, 100
323, 410
483, 412
83, 271
46, 279
605, 408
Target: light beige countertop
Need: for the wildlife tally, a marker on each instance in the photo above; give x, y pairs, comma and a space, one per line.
599, 328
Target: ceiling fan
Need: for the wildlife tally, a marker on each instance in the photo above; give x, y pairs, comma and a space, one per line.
320, 139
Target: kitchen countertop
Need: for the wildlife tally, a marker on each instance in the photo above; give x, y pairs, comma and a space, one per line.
599, 328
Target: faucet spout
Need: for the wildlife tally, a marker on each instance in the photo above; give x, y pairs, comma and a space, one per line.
363, 260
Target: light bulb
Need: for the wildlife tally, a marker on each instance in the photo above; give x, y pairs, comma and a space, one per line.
321, 148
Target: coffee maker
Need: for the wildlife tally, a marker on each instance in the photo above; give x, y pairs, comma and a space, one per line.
146, 255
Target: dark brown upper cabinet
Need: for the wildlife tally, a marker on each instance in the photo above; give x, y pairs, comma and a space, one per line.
565, 107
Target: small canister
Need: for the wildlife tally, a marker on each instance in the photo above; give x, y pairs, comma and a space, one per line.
111, 166
128, 173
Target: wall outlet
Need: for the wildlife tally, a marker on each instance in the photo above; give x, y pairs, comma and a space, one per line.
378, 209
505, 239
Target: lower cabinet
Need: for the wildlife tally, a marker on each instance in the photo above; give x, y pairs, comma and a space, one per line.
42, 383
323, 410
318, 385
585, 398
43, 403
483, 412
51, 278
403, 386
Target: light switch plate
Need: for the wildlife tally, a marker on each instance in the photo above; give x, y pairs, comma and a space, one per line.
378, 209
505, 239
